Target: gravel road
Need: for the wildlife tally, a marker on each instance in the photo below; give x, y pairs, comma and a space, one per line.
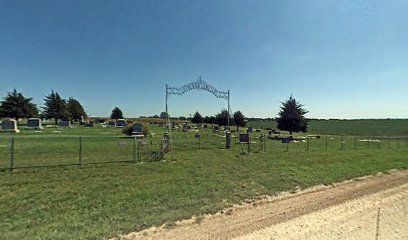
346, 210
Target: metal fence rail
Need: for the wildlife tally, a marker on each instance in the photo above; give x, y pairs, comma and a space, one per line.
31, 152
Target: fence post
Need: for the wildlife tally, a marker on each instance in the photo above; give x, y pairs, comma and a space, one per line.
355, 142
12, 153
263, 142
326, 143
139, 154
80, 150
308, 142
134, 149
341, 142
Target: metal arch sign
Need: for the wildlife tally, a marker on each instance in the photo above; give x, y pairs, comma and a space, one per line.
199, 85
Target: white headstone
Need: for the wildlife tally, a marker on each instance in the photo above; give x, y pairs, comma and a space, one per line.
9, 125
121, 123
34, 123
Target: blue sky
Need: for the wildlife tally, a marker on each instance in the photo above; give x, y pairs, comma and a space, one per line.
341, 59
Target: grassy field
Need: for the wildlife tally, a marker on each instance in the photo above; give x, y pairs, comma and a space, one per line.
101, 201
366, 127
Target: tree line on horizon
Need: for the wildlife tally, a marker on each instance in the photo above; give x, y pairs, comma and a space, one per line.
16, 105
291, 116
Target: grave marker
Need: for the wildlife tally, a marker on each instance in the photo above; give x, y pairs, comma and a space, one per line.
34, 123
138, 130
9, 125
64, 124
244, 138
121, 123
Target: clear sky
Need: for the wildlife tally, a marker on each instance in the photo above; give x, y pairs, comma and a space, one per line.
341, 59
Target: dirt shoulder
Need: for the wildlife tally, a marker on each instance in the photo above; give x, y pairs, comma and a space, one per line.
302, 215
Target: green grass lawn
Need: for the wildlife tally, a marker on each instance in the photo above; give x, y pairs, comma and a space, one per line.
101, 201
365, 127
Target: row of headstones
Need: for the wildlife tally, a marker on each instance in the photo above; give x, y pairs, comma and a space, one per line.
120, 123
10, 125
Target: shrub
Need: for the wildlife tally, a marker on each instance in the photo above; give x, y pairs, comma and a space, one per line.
129, 129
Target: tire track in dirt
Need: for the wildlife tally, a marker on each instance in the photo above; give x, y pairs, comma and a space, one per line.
260, 214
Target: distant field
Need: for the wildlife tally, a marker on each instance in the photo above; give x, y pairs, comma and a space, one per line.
384, 127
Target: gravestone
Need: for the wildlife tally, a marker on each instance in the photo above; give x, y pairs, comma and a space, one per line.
9, 125
244, 138
286, 140
258, 130
112, 123
166, 143
185, 127
121, 123
64, 124
216, 129
34, 123
228, 140
138, 130
250, 129
205, 126
82, 121
89, 124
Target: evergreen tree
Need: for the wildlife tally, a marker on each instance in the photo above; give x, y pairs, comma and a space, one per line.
55, 107
15, 105
163, 115
197, 118
291, 117
75, 109
222, 118
116, 114
239, 119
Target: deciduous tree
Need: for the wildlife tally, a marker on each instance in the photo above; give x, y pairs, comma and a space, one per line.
116, 114
239, 119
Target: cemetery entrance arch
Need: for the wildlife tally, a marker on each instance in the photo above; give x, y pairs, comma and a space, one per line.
199, 84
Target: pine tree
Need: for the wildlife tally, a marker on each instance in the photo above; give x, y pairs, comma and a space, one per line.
55, 107
291, 117
75, 109
15, 105
197, 118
